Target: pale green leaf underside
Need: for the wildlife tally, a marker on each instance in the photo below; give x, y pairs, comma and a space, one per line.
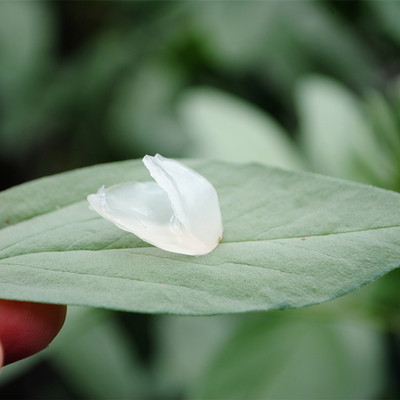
290, 240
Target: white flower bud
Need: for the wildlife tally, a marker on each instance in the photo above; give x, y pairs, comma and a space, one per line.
179, 212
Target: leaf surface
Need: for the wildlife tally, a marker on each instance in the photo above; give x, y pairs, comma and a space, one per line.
290, 240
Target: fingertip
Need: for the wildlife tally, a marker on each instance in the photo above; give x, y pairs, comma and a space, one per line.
27, 328
1, 356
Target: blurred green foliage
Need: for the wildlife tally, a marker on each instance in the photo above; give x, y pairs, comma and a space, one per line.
304, 85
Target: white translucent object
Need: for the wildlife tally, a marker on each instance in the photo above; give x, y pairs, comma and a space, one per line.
179, 212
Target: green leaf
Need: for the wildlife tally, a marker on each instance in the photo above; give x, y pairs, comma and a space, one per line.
226, 128
336, 136
386, 125
290, 240
296, 358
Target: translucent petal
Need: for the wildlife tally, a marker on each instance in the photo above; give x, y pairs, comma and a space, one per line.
178, 213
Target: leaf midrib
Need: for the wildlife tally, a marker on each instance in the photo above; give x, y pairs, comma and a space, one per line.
146, 245
126, 250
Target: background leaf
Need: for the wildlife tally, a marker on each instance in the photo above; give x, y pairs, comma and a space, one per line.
225, 128
304, 358
336, 136
290, 240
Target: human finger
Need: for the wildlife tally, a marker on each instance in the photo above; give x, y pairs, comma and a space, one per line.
27, 328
